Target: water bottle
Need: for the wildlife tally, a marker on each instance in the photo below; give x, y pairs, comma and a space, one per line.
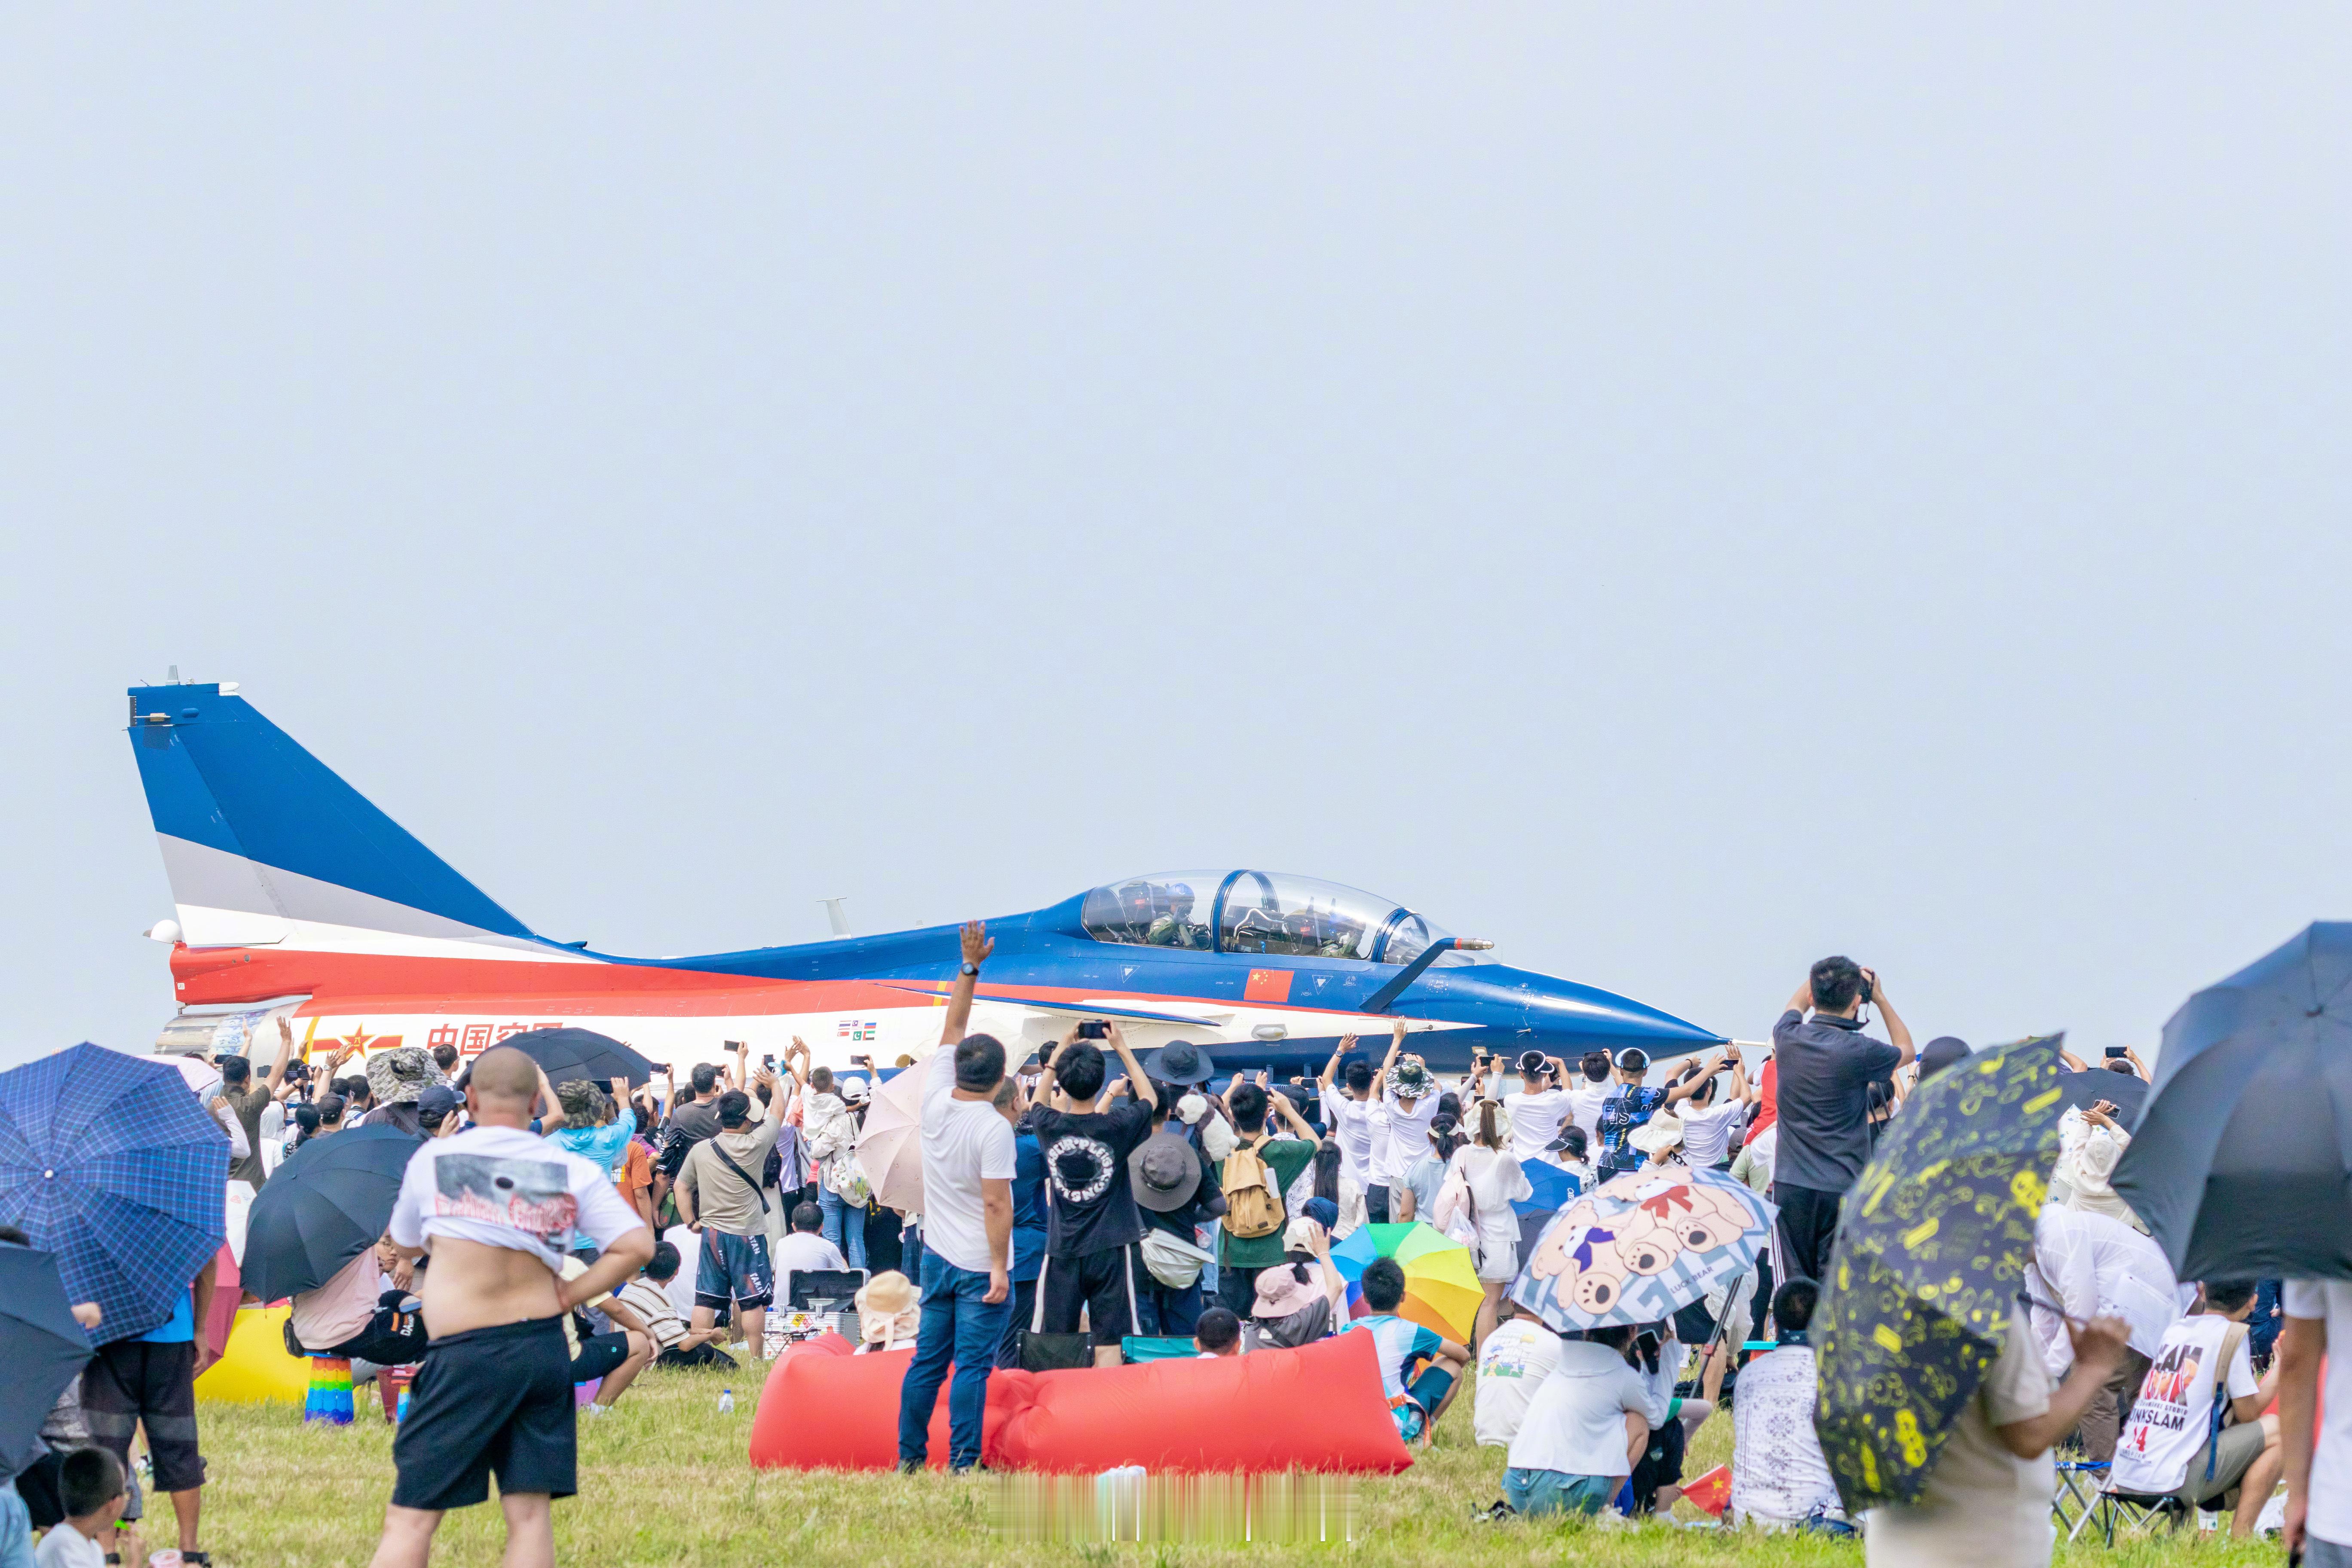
726, 1401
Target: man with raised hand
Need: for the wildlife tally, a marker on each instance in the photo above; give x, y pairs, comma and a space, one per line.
968, 1167
499, 1210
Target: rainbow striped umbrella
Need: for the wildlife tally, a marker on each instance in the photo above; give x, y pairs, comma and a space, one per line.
1441, 1284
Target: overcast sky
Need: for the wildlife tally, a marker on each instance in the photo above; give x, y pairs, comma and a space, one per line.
1677, 491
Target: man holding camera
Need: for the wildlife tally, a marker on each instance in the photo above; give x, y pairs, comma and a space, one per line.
1825, 1066
1092, 1225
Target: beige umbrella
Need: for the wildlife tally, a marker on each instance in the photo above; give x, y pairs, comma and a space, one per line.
890, 1144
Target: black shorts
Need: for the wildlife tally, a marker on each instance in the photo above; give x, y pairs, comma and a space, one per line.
1103, 1283
1661, 1464
132, 1380
599, 1354
703, 1354
488, 1400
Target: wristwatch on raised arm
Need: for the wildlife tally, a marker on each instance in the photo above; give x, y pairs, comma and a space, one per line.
970, 967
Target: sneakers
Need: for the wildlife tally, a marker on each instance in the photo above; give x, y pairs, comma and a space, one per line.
911, 1466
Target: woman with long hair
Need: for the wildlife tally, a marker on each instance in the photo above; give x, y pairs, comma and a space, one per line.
1326, 1177
1495, 1179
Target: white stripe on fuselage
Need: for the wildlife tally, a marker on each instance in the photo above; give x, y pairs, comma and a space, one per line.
204, 927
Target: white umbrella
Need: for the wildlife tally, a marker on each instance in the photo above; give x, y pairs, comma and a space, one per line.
890, 1144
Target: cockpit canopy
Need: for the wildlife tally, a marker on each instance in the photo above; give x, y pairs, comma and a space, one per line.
1259, 912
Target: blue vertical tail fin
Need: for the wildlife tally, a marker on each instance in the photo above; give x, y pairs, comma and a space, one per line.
265, 845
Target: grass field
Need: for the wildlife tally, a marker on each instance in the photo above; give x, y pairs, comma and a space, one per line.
664, 1480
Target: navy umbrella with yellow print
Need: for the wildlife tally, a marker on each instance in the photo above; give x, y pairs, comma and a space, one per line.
1931, 1253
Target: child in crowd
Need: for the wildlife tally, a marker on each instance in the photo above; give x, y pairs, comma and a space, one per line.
1567, 1152
90, 1481
1218, 1333
1416, 1399
648, 1297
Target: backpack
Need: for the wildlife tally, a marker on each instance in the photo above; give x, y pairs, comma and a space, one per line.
677, 1144
1253, 1205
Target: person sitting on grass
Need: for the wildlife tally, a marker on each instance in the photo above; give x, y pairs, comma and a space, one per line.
805, 1248
648, 1297
91, 1489
1218, 1333
1416, 1399
1582, 1430
1778, 1477
2183, 1439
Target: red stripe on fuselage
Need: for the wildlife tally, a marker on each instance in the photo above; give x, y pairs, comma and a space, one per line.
357, 983
214, 975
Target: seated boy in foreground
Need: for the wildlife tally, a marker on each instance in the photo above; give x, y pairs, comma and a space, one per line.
647, 1295
1416, 1399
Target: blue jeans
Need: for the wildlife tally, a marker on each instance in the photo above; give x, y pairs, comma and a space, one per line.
957, 1326
1539, 1492
844, 1225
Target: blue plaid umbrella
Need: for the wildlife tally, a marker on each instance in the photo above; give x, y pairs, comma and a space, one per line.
1641, 1244
108, 1162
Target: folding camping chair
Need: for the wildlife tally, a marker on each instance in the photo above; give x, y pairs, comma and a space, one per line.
2077, 1497
2138, 1515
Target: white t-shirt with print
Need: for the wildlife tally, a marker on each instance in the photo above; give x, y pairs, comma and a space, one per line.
1982, 1505
1512, 1364
1535, 1121
504, 1187
965, 1143
2330, 1301
2173, 1416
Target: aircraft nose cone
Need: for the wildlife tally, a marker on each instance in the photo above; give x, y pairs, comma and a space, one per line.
1559, 1017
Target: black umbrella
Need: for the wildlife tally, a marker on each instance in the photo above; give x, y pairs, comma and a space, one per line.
2242, 1163
567, 1055
1932, 1244
325, 1205
40, 1344
2126, 1091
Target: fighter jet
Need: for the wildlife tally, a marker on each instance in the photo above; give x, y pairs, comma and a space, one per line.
297, 897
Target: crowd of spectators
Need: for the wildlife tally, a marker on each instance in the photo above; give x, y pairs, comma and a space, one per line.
1096, 1198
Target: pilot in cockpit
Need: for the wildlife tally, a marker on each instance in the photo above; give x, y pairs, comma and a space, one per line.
1169, 926
1340, 936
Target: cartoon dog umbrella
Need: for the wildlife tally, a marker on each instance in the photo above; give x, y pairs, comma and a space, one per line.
1641, 1244
1931, 1251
